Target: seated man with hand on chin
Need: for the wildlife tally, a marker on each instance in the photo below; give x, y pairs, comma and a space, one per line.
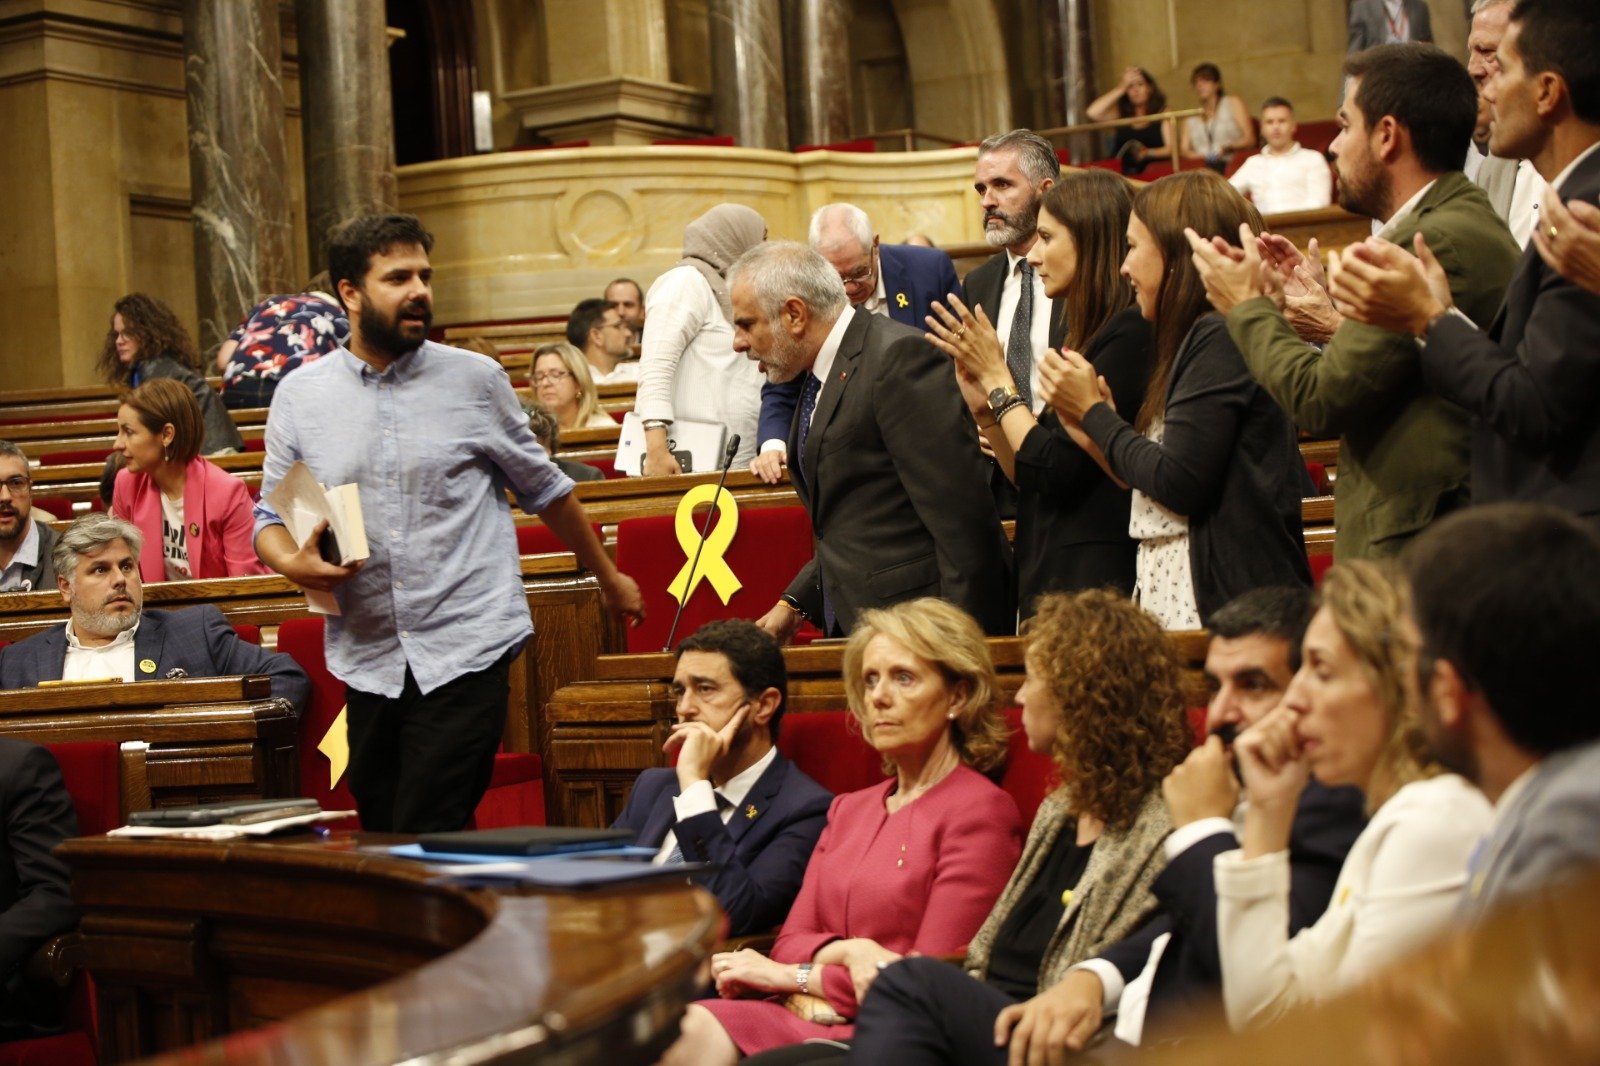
111, 637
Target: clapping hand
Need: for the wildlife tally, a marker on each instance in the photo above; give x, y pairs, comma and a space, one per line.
968, 337
1232, 275
1069, 384
1381, 284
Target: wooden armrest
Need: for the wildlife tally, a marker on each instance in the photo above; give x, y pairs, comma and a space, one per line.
56, 961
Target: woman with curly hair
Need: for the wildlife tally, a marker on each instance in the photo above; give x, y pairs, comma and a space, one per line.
908, 866
1104, 698
1349, 718
146, 341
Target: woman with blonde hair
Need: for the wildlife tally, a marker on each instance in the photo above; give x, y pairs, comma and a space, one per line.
1349, 718
1212, 459
195, 516
908, 866
561, 381
1104, 698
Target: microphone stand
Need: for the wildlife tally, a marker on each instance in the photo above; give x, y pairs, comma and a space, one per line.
705, 531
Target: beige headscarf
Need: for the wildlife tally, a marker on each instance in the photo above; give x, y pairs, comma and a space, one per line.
714, 240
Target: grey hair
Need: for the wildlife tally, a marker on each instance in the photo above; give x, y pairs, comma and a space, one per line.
7, 448
88, 535
830, 218
1484, 5
1035, 157
778, 270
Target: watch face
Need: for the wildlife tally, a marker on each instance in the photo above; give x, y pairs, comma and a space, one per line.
998, 396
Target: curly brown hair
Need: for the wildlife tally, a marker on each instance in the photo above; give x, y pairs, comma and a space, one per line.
158, 331
946, 637
1118, 683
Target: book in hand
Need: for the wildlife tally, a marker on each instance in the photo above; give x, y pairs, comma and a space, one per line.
524, 840
301, 501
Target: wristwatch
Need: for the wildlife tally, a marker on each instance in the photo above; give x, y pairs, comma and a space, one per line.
998, 398
802, 978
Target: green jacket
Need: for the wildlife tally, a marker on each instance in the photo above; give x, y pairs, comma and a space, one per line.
1402, 449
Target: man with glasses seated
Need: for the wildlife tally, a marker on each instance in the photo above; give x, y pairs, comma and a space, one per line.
898, 281
24, 544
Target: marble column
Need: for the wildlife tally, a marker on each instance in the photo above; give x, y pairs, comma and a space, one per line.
1076, 40
747, 72
819, 50
238, 161
347, 122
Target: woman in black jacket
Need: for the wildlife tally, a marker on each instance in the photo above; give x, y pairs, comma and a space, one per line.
1212, 459
1072, 520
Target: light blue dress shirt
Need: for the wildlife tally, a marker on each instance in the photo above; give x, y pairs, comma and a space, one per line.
433, 442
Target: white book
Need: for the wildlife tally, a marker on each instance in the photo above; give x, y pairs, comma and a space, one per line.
302, 501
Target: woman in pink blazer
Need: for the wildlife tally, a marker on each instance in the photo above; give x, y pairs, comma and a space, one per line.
911, 866
195, 516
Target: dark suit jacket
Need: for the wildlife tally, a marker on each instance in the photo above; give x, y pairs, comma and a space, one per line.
762, 858
894, 484
913, 277
1369, 23
35, 895
1189, 975
1532, 382
41, 576
196, 640
1072, 520
983, 287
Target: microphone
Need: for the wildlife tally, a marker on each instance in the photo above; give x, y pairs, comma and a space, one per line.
705, 530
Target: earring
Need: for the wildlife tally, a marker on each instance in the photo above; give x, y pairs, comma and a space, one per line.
166, 455
950, 717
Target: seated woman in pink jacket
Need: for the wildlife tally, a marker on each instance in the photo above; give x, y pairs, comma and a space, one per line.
909, 866
195, 516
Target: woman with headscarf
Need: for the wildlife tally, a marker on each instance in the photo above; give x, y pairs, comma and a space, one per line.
687, 366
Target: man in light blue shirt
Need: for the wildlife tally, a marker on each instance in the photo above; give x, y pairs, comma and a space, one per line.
429, 623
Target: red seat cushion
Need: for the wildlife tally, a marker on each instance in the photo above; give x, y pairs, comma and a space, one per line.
86, 455
1321, 563
516, 792
249, 633
770, 547
55, 506
540, 539
92, 771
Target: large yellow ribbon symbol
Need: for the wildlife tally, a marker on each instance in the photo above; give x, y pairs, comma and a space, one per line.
713, 567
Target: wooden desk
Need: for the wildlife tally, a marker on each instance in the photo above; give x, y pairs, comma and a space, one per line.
197, 740
600, 734
352, 957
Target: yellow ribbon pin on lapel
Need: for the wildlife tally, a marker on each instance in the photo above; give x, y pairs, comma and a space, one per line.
712, 567
900, 299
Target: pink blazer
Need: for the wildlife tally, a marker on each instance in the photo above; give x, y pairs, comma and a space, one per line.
217, 517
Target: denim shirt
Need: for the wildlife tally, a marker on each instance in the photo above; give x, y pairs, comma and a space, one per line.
433, 442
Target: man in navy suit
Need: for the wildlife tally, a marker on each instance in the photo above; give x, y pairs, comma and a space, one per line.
35, 890
732, 799
898, 281
110, 636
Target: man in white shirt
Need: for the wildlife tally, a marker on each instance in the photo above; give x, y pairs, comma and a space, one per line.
25, 544
596, 328
629, 298
1505, 679
1283, 176
110, 637
732, 799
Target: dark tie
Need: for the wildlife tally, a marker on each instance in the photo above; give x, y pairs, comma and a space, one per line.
1019, 349
808, 407
675, 856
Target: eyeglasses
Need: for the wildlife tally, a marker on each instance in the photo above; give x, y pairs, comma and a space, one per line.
17, 484
859, 276
551, 376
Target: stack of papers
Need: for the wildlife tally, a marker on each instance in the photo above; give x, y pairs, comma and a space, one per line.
230, 832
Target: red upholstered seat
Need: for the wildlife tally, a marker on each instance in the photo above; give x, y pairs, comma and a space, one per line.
541, 540
86, 455
1320, 562
92, 770
607, 466
771, 545
55, 506
864, 144
516, 791
1318, 473
249, 633
702, 142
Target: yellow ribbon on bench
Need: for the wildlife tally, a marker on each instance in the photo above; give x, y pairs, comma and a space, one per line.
335, 744
713, 567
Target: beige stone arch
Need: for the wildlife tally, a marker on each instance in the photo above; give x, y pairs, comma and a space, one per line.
957, 57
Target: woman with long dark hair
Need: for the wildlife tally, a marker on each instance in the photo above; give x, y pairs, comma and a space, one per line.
1212, 459
1072, 520
1137, 144
146, 341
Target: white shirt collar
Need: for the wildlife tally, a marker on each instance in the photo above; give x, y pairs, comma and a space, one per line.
823, 365
1570, 167
878, 302
739, 785
27, 553
1406, 209
125, 637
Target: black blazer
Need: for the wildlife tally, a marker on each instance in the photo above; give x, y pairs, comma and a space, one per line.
1072, 520
1228, 461
35, 897
1189, 976
761, 856
1532, 382
895, 485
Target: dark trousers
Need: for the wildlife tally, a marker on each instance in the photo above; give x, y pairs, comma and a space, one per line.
249, 392
420, 764
923, 1011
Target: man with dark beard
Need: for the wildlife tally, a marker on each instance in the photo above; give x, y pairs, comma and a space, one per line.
1506, 602
1407, 116
430, 623
24, 543
1014, 170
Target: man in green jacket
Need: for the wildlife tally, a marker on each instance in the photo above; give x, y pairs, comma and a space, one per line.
1406, 121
